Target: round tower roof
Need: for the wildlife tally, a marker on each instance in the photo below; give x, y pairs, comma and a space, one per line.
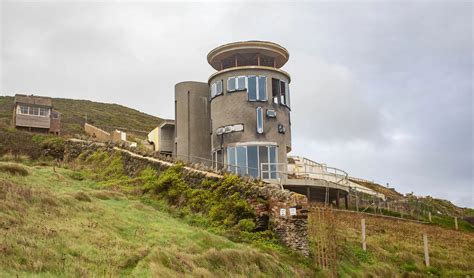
270, 49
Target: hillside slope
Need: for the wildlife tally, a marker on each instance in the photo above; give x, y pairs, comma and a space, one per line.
104, 115
54, 223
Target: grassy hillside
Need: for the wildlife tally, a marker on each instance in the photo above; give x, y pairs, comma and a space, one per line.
104, 115
394, 247
56, 223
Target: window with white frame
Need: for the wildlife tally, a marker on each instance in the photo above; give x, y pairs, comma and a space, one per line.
24, 109
43, 112
257, 88
34, 111
280, 92
259, 120
216, 89
236, 83
247, 160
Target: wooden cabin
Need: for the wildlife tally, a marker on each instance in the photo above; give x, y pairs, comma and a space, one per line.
36, 113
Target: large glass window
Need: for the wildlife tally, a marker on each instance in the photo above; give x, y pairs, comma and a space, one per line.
276, 90
259, 120
241, 160
231, 84
247, 160
262, 88
263, 158
280, 92
272, 155
231, 160
252, 160
252, 88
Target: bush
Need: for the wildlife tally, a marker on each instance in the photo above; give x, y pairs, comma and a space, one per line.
246, 225
13, 169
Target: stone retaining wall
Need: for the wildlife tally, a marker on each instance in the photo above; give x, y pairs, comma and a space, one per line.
285, 212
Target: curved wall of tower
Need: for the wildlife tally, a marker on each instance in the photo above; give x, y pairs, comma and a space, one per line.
192, 126
232, 108
250, 108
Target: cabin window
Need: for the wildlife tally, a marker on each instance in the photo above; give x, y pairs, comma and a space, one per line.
44, 112
259, 120
34, 111
23, 109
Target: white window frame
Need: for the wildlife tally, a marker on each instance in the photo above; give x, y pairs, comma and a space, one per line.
258, 96
235, 81
44, 109
24, 106
215, 89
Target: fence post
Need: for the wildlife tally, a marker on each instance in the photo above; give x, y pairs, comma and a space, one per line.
364, 244
425, 247
429, 215
456, 223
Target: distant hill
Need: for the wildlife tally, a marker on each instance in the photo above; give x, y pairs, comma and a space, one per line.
107, 116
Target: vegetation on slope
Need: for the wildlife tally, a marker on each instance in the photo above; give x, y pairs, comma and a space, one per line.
104, 115
394, 247
55, 222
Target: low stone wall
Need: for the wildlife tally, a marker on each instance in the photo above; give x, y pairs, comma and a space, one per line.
284, 212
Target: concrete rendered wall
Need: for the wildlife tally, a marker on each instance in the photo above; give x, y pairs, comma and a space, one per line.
166, 138
234, 108
192, 121
96, 133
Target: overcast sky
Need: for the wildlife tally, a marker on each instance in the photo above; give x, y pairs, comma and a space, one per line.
382, 90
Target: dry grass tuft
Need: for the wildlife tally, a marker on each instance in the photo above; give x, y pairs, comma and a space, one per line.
13, 169
81, 196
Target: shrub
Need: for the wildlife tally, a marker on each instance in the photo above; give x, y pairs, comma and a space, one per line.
246, 225
13, 169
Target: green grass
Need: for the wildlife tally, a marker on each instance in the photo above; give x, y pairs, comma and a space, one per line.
52, 224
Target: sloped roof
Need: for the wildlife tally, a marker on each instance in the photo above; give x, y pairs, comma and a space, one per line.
34, 100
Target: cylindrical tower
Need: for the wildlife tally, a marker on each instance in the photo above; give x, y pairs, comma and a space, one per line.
192, 125
250, 108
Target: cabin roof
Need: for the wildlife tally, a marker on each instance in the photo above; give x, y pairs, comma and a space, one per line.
33, 100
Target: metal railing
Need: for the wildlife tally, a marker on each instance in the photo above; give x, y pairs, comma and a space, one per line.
318, 171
